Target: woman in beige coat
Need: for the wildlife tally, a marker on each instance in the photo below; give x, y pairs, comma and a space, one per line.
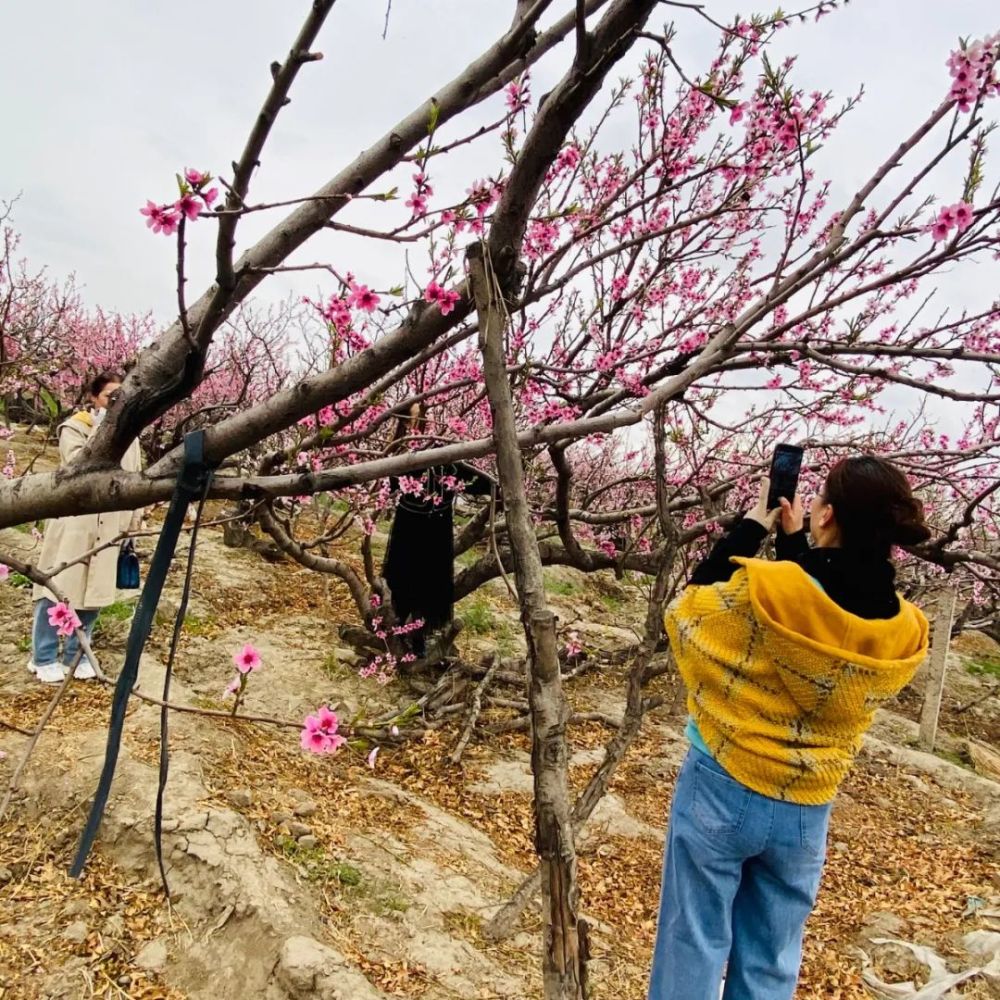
88, 584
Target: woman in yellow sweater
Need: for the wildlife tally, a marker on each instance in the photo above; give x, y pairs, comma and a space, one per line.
784, 663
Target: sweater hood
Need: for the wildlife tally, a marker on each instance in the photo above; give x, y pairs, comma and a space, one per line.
788, 601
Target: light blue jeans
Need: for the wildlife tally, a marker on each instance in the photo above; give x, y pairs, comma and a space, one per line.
740, 876
45, 639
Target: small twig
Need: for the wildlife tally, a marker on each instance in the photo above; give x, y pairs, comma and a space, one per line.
385, 28
475, 707
181, 302
978, 701
16, 729
53, 704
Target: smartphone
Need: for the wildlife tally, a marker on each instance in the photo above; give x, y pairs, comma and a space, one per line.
784, 475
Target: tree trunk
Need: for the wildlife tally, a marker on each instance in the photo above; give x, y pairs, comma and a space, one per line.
564, 953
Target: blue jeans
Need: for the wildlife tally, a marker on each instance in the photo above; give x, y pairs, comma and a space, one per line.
740, 877
45, 639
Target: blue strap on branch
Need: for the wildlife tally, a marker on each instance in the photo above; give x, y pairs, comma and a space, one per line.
192, 484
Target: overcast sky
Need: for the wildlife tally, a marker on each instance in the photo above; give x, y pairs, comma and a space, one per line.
105, 100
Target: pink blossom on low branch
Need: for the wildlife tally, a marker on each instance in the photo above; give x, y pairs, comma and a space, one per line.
247, 659
63, 619
319, 733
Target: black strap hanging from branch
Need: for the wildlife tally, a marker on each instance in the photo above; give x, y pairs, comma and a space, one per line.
192, 484
164, 710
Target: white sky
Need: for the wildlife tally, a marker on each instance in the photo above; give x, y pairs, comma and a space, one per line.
105, 100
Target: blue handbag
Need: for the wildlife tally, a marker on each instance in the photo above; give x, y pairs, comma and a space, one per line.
128, 567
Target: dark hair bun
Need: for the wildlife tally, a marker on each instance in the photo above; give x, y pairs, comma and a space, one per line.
874, 506
910, 527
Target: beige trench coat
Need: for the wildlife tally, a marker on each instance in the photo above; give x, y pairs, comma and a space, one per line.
89, 584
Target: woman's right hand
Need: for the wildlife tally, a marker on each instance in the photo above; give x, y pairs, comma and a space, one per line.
793, 515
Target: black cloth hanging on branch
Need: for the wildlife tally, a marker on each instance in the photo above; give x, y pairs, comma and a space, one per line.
419, 564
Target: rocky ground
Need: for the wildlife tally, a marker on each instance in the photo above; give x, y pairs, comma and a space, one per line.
301, 876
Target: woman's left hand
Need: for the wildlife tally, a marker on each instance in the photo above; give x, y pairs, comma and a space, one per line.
759, 513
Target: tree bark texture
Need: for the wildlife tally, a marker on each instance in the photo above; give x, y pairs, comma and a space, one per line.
564, 958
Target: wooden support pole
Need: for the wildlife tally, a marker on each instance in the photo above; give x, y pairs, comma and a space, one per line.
936, 668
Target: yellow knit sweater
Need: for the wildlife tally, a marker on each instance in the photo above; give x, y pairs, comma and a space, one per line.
781, 681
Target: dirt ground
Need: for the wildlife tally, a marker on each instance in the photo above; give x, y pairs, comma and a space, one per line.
301, 876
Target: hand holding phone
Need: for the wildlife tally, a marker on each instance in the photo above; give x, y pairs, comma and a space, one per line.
784, 474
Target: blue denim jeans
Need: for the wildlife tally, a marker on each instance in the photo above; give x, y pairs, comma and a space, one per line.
740, 876
45, 639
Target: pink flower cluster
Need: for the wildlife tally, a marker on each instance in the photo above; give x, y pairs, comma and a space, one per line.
4, 572
319, 733
362, 297
540, 238
973, 71
63, 619
958, 216
445, 298
194, 194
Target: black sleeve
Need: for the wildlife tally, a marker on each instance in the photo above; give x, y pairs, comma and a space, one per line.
793, 547
743, 539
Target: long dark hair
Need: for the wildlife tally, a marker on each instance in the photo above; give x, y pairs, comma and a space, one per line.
874, 506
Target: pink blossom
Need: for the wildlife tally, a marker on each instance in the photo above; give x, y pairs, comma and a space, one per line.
161, 218
188, 206
411, 485
4, 572
247, 659
195, 177
232, 687
209, 196
417, 202
63, 619
573, 645
962, 212
327, 719
444, 297
517, 95
736, 115
319, 733
363, 298
940, 230
372, 757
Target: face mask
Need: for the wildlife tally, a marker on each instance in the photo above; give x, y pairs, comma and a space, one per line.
98, 415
